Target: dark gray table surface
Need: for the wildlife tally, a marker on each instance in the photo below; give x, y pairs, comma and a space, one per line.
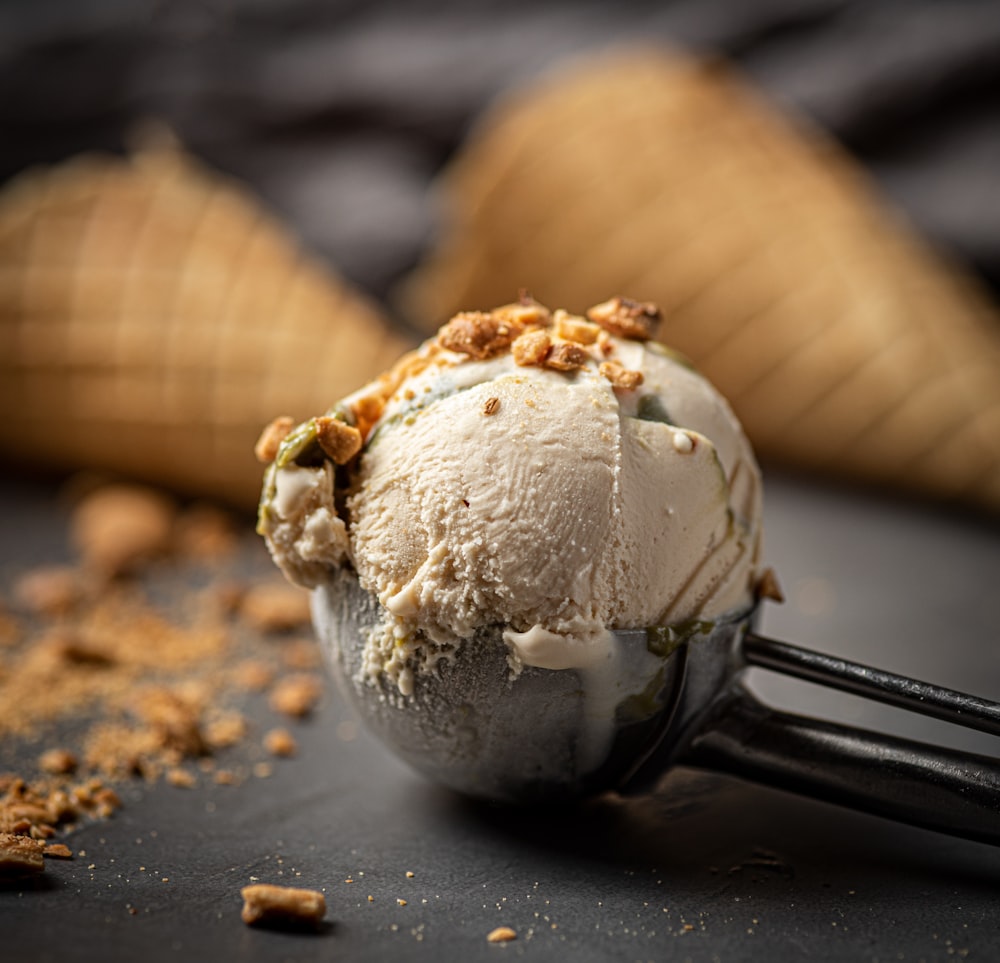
705, 869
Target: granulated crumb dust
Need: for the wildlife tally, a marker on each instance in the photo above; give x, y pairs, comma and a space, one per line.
133, 663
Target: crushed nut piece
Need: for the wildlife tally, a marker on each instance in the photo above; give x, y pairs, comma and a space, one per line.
225, 777
571, 327
52, 590
276, 607
264, 904
768, 587
254, 675
366, 411
478, 334
566, 356
621, 377
531, 348
59, 762
340, 441
20, 855
280, 742
271, 438
181, 778
491, 406
527, 311
58, 851
296, 695
502, 934
225, 730
636, 320
118, 527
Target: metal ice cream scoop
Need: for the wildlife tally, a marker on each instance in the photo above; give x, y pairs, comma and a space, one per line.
668, 697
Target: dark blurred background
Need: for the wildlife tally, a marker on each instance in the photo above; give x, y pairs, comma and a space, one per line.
340, 113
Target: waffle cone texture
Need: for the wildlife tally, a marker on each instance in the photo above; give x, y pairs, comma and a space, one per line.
845, 344
153, 319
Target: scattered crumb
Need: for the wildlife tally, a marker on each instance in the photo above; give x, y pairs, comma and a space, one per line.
264, 905
225, 777
502, 934
280, 742
49, 590
58, 851
181, 778
20, 855
401, 902
275, 607
58, 762
263, 770
118, 527
296, 695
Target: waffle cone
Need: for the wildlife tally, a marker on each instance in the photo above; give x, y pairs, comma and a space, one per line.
845, 344
153, 319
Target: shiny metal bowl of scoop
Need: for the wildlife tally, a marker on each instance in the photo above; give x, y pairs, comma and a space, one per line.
671, 696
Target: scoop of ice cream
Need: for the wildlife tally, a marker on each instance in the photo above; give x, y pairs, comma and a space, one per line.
557, 475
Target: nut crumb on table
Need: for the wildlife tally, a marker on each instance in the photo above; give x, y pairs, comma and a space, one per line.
502, 934
265, 904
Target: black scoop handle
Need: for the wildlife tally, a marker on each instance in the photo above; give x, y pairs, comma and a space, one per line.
934, 788
937, 788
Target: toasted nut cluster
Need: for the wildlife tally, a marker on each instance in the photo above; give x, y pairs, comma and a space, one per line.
636, 320
621, 377
478, 334
271, 438
566, 356
571, 327
264, 904
339, 441
531, 348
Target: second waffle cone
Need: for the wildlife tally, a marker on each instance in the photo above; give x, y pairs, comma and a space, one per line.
844, 343
153, 319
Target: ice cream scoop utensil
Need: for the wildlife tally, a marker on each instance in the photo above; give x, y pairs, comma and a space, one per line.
934, 787
669, 698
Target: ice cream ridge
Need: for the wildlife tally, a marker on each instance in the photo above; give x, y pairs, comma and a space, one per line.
555, 475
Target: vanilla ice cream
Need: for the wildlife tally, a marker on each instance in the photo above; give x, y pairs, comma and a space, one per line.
555, 475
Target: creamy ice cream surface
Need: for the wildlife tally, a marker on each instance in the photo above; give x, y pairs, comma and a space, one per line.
557, 475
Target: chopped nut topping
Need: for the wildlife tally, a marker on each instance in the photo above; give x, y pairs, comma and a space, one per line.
264, 904
271, 438
20, 855
621, 377
636, 320
574, 328
367, 410
59, 762
296, 695
565, 356
525, 312
531, 348
478, 334
339, 441
502, 934
768, 587
491, 406
280, 742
